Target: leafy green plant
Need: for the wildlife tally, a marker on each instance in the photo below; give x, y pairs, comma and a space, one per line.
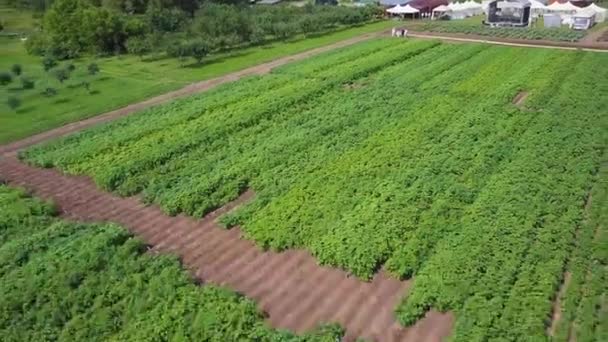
5, 78
16, 69
93, 68
66, 266
13, 102
407, 155
27, 83
49, 63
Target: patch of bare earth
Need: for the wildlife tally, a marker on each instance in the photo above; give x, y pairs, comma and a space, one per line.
519, 99
290, 287
557, 305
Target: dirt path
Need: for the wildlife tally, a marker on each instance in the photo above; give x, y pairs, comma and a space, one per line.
193, 88
295, 292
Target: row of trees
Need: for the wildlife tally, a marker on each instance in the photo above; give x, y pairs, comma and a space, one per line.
52, 68
71, 28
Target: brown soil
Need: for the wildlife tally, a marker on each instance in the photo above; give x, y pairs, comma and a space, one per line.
295, 292
519, 99
557, 306
597, 36
198, 87
548, 44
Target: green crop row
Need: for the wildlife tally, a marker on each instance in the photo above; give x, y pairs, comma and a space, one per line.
531, 33
408, 155
74, 282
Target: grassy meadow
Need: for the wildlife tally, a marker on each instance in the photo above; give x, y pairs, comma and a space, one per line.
122, 79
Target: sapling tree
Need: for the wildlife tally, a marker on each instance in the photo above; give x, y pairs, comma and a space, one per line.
13, 102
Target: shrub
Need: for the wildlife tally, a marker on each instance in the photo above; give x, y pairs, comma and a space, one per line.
16, 69
93, 68
5, 78
13, 102
62, 74
49, 63
49, 91
27, 83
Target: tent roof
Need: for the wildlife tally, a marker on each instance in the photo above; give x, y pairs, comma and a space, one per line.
393, 2
596, 8
410, 9
556, 6
407, 9
535, 4
585, 13
442, 8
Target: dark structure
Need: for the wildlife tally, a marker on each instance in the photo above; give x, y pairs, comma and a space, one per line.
508, 13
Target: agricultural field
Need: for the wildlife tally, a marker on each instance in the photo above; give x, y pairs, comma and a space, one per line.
78, 282
143, 78
410, 156
477, 28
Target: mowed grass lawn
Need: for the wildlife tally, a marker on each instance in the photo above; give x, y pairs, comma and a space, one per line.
124, 80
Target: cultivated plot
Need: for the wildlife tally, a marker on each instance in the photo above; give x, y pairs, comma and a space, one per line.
406, 155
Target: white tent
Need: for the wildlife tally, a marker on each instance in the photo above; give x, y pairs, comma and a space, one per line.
459, 11
600, 12
407, 9
440, 11
567, 8
485, 5
473, 7
583, 19
537, 8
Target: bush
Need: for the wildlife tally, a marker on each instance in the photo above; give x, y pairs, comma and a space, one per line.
16, 69
49, 63
27, 83
49, 91
86, 85
93, 68
62, 74
13, 102
5, 78
70, 67
138, 46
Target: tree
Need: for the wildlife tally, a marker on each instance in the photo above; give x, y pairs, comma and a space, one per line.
92, 68
27, 83
70, 67
198, 49
138, 46
49, 63
180, 50
50, 91
5, 78
13, 103
86, 85
16, 69
62, 74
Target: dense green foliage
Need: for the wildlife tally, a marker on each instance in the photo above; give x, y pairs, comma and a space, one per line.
122, 80
74, 27
533, 33
75, 282
409, 155
584, 304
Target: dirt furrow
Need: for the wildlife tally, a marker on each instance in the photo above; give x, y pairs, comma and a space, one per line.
293, 290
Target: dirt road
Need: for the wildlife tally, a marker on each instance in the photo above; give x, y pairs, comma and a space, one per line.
295, 292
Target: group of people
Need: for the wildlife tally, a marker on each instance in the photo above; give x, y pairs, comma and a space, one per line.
395, 32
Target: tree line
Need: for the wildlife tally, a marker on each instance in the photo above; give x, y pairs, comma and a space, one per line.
179, 28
